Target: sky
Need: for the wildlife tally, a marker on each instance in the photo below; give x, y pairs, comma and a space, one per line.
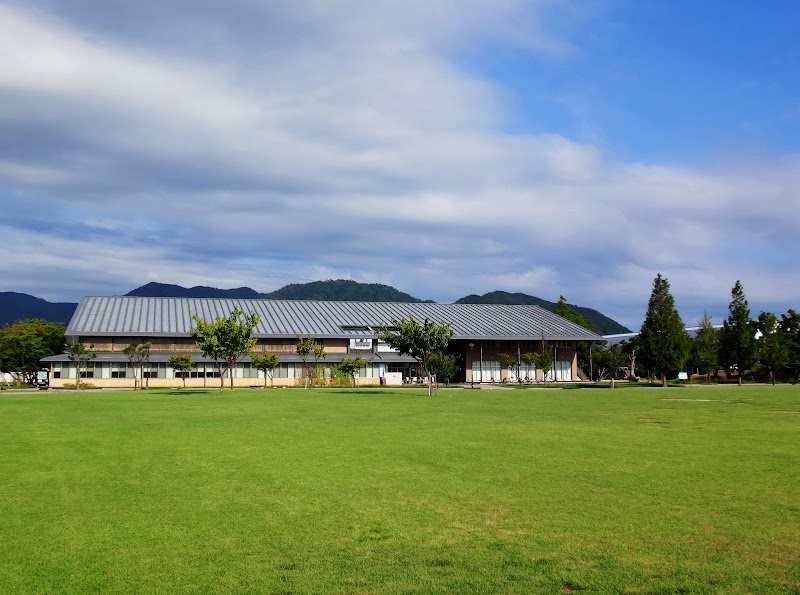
444, 147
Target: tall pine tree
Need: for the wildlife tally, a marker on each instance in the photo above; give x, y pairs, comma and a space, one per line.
663, 341
737, 339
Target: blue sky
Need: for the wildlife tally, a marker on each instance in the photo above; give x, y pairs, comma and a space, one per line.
444, 147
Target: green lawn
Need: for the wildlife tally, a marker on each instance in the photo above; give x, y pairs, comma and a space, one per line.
381, 491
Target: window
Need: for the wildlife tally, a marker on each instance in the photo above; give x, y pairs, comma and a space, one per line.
57, 374
118, 373
361, 343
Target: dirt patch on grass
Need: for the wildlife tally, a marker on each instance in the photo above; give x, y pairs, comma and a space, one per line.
693, 400
786, 411
651, 420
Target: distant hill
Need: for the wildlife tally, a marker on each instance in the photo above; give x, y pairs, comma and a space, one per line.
199, 291
16, 306
604, 324
341, 290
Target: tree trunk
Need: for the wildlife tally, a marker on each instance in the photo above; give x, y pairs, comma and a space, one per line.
739, 375
183, 376
221, 378
612, 381
231, 364
663, 380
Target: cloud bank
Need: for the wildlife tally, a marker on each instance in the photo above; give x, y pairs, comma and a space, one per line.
264, 143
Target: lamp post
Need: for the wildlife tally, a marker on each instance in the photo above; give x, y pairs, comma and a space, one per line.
481, 361
471, 375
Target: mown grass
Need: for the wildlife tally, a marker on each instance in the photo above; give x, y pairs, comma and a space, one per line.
380, 491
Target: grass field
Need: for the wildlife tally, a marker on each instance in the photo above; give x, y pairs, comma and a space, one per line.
689, 490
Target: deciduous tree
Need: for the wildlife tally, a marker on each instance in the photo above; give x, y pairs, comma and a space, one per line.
512, 361
310, 353
349, 367
544, 357
23, 344
790, 329
737, 340
80, 355
705, 352
419, 340
138, 354
663, 341
530, 360
773, 352
266, 362
181, 364
583, 349
444, 366
226, 340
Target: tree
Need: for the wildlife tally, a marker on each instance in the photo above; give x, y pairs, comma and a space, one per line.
544, 358
266, 362
138, 354
512, 361
583, 347
611, 358
226, 340
419, 340
737, 342
564, 310
530, 360
349, 367
705, 352
180, 363
790, 329
663, 341
310, 353
80, 354
773, 351
443, 366
630, 348
25, 343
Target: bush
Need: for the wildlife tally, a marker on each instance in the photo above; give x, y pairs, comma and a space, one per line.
84, 385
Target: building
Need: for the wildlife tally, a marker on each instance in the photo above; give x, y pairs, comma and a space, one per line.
487, 338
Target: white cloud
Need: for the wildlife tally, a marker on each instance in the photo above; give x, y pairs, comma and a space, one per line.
347, 139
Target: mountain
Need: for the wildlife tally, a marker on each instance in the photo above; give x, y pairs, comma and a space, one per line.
604, 324
341, 290
16, 306
199, 291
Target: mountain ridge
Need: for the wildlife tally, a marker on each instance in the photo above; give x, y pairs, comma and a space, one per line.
16, 306
604, 324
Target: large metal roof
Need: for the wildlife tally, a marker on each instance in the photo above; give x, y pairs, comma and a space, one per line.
154, 317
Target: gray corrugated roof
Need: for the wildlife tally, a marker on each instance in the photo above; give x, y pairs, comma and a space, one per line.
153, 317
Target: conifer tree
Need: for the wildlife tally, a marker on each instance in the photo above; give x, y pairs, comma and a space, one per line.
737, 341
663, 341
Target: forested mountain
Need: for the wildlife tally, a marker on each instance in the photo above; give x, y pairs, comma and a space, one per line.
199, 291
341, 290
16, 306
604, 324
